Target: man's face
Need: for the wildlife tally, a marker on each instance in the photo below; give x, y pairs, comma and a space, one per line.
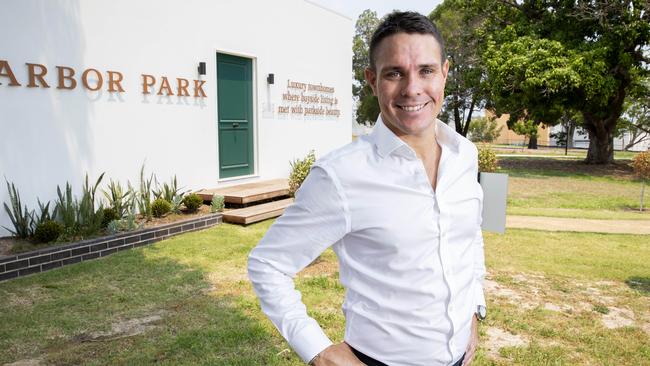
409, 81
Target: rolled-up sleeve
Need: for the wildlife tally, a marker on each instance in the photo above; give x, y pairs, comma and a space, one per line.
316, 220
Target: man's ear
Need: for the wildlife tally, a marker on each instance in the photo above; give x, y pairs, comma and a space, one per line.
371, 79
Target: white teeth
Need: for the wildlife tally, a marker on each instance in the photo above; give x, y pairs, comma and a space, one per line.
413, 108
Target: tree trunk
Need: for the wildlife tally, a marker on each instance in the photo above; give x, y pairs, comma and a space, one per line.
469, 118
570, 133
532, 143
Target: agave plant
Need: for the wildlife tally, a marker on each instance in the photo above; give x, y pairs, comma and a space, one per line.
90, 218
144, 195
168, 191
118, 198
21, 218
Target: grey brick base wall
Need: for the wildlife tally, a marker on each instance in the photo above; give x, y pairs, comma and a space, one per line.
48, 258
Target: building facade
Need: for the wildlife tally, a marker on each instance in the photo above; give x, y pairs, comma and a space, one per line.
214, 92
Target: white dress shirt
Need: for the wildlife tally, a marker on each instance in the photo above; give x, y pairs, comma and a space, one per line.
410, 258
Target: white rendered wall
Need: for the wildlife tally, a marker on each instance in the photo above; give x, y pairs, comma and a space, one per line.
50, 136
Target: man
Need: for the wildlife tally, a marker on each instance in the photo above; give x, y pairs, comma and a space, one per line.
401, 208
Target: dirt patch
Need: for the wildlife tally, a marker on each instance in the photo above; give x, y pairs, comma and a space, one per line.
493, 288
29, 362
498, 338
320, 267
122, 329
618, 318
27, 296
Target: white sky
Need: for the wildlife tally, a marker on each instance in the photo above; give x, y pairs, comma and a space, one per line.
353, 8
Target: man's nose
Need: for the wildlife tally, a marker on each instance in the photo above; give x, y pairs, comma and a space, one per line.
411, 85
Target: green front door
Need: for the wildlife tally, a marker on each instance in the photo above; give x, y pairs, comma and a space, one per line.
235, 111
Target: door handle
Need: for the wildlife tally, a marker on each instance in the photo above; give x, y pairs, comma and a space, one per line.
235, 125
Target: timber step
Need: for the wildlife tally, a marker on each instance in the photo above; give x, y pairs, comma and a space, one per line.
243, 194
249, 215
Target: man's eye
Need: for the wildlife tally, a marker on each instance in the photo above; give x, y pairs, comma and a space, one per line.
427, 71
393, 74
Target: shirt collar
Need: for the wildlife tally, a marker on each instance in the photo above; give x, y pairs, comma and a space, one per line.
387, 142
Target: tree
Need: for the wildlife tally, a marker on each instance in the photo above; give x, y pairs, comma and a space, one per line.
484, 129
368, 106
464, 91
636, 118
527, 128
547, 56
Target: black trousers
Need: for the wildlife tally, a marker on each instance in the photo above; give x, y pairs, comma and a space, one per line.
369, 361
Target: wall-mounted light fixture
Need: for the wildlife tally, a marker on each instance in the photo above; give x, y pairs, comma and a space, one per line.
270, 79
201, 68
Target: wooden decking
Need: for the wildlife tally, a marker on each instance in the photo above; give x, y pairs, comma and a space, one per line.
249, 215
255, 197
250, 192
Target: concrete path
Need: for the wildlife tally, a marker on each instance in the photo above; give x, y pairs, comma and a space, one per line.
581, 225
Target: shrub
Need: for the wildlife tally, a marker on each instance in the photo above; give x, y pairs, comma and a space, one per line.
641, 165
192, 202
160, 207
110, 214
484, 129
299, 171
217, 203
48, 231
79, 217
19, 215
487, 159
127, 223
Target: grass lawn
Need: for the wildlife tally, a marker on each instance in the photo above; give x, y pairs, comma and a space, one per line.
187, 300
548, 187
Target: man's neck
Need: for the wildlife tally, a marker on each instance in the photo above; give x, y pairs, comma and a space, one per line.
421, 143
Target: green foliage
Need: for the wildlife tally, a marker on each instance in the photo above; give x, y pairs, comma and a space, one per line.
544, 58
79, 217
484, 129
160, 207
465, 90
526, 128
44, 213
217, 203
168, 192
118, 198
299, 171
110, 214
66, 209
20, 216
47, 231
127, 223
192, 202
487, 159
368, 106
89, 217
144, 195
176, 204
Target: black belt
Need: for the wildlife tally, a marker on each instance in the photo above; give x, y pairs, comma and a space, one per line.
369, 361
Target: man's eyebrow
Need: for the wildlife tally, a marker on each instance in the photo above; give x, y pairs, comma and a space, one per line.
434, 66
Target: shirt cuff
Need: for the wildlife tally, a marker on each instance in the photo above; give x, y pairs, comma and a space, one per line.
309, 342
479, 296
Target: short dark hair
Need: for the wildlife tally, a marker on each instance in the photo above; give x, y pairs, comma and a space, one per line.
408, 22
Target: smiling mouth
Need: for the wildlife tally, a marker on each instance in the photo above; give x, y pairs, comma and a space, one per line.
412, 108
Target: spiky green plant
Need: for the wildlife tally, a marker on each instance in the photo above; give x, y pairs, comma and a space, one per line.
117, 197
88, 216
299, 171
21, 218
168, 191
66, 209
144, 195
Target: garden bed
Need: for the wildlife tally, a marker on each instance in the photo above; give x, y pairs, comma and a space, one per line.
61, 254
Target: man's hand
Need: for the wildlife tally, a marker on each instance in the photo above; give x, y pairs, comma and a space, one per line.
338, 355
473, 343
